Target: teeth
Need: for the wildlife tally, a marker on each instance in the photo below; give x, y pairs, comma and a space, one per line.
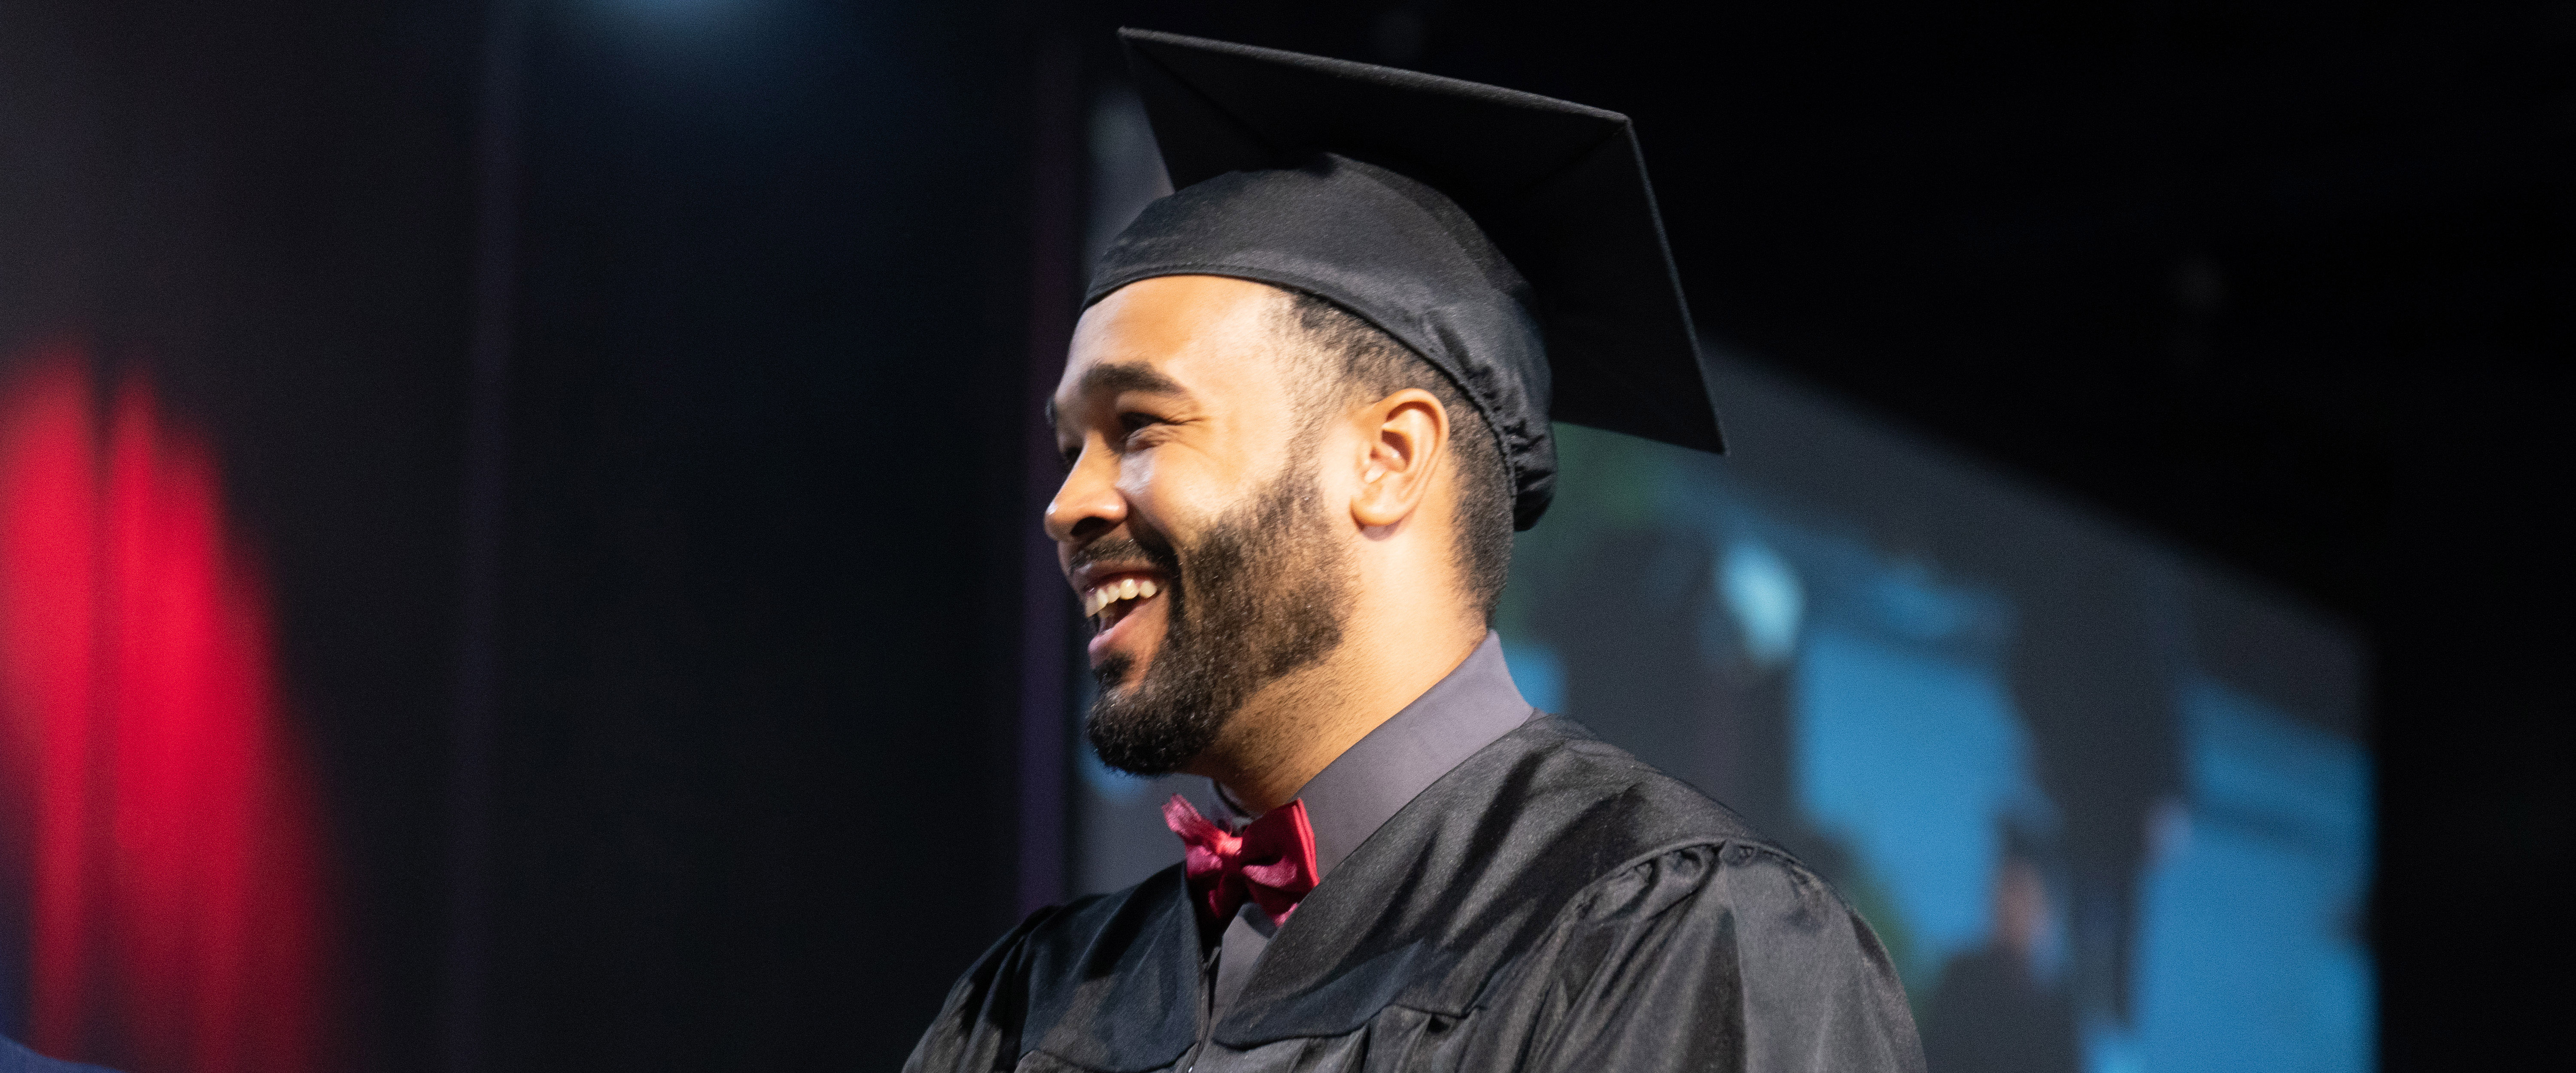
1126, 588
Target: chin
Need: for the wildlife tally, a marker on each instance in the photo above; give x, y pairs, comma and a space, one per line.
1127, 684
1121, 672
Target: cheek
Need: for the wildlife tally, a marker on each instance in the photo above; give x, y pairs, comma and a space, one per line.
1136, 475
1177, 491
1148, 488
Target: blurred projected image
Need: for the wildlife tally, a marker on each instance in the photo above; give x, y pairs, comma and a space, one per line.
2107, 807
163, 889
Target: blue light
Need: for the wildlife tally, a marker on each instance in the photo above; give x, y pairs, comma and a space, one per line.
674, 9
689, 25
2249, 956
1909, 756
1764, 594
1538, 672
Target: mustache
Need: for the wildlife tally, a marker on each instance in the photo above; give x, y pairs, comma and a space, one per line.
1150, 547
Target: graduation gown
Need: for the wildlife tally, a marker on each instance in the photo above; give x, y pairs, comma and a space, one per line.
1551, 903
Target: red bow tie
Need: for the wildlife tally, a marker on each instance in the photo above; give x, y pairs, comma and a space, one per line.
1271, 863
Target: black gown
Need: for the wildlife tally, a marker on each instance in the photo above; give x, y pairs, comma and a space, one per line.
1550, 904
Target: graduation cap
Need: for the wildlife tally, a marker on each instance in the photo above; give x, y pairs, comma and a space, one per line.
1510, 240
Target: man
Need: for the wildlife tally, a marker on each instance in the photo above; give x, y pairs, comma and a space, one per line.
1996, 1009
1303, 413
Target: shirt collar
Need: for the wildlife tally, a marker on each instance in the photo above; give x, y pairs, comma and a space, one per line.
1373, 779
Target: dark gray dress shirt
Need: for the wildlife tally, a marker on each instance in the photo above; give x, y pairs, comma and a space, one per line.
1359, 791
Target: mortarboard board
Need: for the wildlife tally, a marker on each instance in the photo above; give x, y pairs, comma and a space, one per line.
1509, 239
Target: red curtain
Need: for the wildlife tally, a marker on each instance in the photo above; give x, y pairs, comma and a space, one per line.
164, 821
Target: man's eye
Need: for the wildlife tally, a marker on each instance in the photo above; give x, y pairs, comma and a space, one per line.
1130, 426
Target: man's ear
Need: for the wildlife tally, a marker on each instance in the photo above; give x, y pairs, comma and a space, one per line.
1407, 445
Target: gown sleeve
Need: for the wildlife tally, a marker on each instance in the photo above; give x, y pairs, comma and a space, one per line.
978, 1021
1707, 957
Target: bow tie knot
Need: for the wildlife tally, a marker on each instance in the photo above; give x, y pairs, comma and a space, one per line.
1270, 863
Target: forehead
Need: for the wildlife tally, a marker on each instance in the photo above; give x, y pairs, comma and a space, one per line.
1207, 336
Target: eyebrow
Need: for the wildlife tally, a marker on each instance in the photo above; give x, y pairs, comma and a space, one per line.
1122, 376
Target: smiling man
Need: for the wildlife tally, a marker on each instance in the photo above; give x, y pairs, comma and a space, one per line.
1303, 414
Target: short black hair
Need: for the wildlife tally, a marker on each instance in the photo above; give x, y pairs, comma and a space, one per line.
1363, 363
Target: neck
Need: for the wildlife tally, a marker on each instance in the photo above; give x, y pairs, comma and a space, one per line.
1293, 728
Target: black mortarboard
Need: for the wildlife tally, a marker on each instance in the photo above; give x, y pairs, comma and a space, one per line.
1496, 233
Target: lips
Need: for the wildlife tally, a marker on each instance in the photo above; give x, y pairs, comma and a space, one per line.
1113, 598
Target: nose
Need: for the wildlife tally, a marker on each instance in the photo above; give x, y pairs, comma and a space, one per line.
1088, 503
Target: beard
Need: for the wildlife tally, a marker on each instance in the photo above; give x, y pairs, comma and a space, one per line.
1260, 594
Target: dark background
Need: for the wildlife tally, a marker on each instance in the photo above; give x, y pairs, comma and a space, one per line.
738, 541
